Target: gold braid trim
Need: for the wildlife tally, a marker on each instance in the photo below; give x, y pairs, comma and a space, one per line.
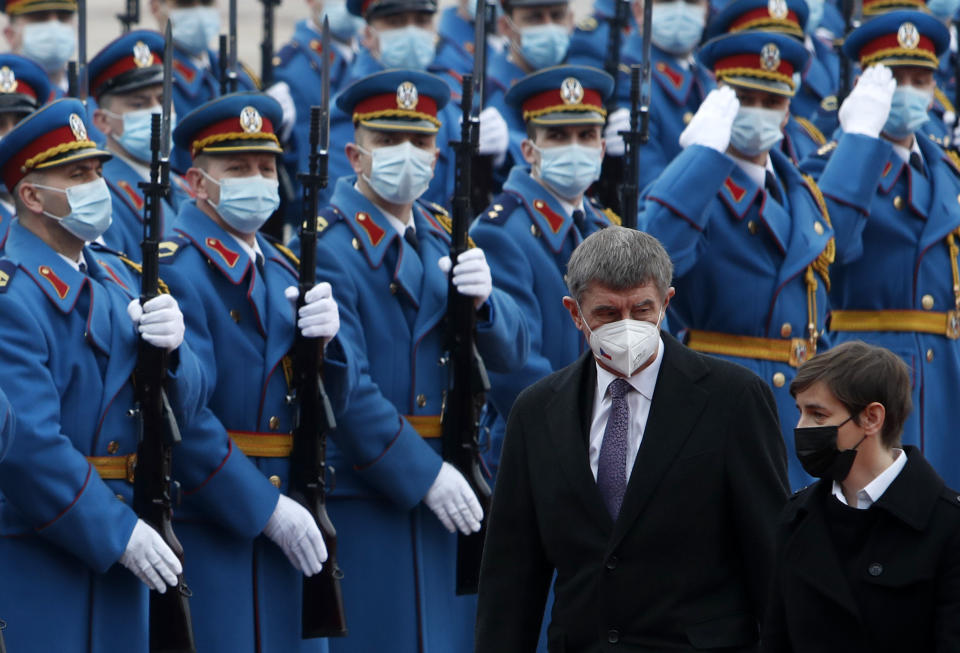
954, 159
136, 267
753, 72
34, 161
197, 146
447, 223
812, 130
829, 253
563, 108
954, 251
395, 113
770, 24
286, 251
613, 217
912, 55
882, 7
943, 99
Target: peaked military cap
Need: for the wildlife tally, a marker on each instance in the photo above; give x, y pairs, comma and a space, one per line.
396, 100
784, 16
368, 9
16, 7
24, 86
51, 136
898, 38
765, 61
233, 123
130, 62
877, 7
562, 95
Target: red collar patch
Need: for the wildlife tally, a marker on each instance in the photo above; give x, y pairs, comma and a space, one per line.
229, 256
134, 195
553, 219
374, 231
886, 169
58, 285
113, 275
186, 72
675, 78
736, 191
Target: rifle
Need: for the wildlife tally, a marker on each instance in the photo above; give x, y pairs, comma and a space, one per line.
612, 170
266, 46
130, 15
223, 75
468, 384
171, 627
233, 74
77, 70
323, 614
639, 133
956, 86
482, 181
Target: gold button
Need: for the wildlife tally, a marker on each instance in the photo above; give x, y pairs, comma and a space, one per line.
752, 226
818, 228
235, 315
687, 117
898, 202
779, 379
534, 231
421, 400
927, 302
355, 243
274, 423
393, 287
275, 481
786, 330
498, 207
113, 447
929, 355
120, 497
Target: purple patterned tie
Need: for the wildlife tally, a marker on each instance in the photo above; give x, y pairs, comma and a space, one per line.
612, 464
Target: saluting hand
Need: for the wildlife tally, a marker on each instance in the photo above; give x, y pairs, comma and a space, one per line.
471, 275
866, 109
159, 321
713, 122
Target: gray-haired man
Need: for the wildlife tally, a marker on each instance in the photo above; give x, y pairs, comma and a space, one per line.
648, 476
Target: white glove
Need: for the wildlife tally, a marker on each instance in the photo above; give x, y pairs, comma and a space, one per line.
281, 93
453, 502
618, 121
471, 275
150, 559
294, 530
712, 122
494, 136
159, 321
319, 316
866, 109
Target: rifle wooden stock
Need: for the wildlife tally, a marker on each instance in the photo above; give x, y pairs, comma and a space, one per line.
171, 627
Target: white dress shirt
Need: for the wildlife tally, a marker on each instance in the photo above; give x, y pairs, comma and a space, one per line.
875, 488
643, 383
252, 252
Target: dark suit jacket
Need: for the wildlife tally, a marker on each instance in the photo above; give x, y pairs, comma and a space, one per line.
909, 580
685, 566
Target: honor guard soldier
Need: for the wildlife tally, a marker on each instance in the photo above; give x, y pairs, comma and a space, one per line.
402, 34
679, 84
813, 108
24, 88
589, 43
126, 80
896, 282
396, 502
530, 229
238, 288
196, 23
457, 32
737, 217
70, 315
45, 32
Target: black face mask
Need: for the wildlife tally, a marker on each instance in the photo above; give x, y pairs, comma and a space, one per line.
816, 448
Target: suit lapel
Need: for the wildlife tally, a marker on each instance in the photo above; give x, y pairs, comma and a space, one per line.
674, 411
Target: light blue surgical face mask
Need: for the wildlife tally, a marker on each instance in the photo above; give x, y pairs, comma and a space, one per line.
246, 203
677, 26
407, 47
570, 169
50, 44
756, 130
943, 8
400, 173
908, 111
543, 46
91, 210
815, 16
195, 27
343, 25
135, 138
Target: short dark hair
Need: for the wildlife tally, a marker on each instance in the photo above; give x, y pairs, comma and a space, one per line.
859, 374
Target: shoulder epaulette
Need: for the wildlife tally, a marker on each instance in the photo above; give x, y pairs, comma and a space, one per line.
610, 214
827, 149
326, 217
438, 209
944, 101
7, 269
138, 268
826, 258
812, 130
500, 208
257, 84
283, 249
100, 247
170, 247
